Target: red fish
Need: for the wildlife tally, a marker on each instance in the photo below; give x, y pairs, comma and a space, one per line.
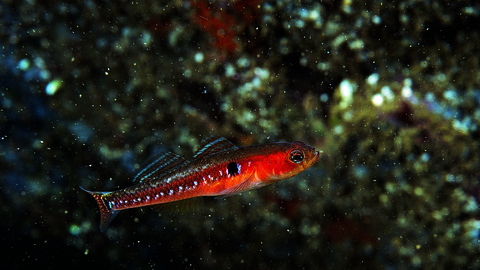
218, 168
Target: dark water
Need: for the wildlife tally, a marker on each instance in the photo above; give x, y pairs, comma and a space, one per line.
388, 91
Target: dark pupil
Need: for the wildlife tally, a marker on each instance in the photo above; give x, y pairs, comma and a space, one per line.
296, 156
232, 168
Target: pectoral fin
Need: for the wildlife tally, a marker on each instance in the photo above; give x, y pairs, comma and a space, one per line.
243, 186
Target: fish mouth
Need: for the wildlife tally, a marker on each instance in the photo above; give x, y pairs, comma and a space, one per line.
315, 157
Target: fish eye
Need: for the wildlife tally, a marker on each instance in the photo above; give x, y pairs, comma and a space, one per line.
296, 156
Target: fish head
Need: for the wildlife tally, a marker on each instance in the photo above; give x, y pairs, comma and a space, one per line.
289, 160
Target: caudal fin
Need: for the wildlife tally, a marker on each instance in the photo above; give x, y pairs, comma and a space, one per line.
106, 213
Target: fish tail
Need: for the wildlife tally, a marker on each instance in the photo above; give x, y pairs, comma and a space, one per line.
106, 213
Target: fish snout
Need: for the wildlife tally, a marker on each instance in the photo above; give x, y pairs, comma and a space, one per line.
315, 157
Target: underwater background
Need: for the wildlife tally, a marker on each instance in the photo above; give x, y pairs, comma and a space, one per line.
389, 91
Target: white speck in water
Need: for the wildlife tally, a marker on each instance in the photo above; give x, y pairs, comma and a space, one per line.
450, 178
407, 91
24, 64
450, 95
324, 97
387, 93
377, 100
52, 87
376, 19
338, 129
408, 82
373, 79
425, 157
199, 57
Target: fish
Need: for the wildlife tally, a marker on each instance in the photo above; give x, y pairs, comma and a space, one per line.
218, 168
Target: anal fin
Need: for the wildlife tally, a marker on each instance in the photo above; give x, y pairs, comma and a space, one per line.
188, 206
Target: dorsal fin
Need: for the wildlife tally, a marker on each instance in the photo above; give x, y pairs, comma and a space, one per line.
159, 165
214, 144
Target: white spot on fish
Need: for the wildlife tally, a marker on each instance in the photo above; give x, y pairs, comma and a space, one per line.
161, 193
195, 183
170, 192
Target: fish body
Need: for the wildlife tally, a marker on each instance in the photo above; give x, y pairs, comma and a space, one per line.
219, 168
